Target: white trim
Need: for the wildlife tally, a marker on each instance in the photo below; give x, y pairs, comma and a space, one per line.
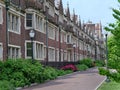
3, 5
32, 20
19, 21
15, 12
10, 45
1, 16
16, 46
40, 43
27, 41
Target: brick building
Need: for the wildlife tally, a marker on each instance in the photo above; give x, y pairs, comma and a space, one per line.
59, 35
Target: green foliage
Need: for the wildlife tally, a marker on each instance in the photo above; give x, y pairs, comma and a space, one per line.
60, 72
82, 67
21, 72
87, 62
99, 63
6, 85
114, 45
49, 73
110, 86
103, 71
18, 79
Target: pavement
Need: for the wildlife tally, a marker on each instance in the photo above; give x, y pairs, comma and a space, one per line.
84, 80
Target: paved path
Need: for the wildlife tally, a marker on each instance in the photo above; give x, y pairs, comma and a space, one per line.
86, 80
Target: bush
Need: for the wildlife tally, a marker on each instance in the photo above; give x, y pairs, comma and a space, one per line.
21, 72
70, 67
60, 72
82, 67
103, 71
50, 73
99, 63
87, 62
6, 85
18, 79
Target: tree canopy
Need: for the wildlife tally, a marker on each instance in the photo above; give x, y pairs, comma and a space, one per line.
114, 46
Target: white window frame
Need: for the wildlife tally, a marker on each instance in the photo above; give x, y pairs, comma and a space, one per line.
33, 17
16, 47
65, 55
1, 15
42, 55
51, 32
42, 27
51, 57
16, 14
57, 51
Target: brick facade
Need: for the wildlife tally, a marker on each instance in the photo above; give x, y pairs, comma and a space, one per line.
67, 30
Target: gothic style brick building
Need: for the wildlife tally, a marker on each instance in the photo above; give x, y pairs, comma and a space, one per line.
59, 35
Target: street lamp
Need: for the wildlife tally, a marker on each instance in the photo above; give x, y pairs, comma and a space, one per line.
74, 46
106, 34
32, 35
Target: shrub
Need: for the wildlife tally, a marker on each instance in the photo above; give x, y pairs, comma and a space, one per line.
18, 79
50, 73
21, 72
99, 63
103, 71
6, 85
60, 72
87, 62
69, 67
82, 67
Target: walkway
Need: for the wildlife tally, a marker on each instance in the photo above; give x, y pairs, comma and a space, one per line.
85, 80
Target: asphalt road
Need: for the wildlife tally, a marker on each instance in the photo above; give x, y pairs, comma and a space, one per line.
85, 80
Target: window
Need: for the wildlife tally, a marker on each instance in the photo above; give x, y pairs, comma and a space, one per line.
29, 49
1, 52
64, 37
68, 38
44, 52
29, 19
51, 32
13, 22
62, 55
14, 52
39, 23
39, 51
65, 56
51, 54
57, 55
1, 16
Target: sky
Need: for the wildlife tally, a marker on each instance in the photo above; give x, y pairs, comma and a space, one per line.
93, 10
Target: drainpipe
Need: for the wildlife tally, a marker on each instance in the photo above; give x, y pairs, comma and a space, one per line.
7, 3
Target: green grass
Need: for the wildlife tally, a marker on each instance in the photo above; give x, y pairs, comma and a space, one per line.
110, 86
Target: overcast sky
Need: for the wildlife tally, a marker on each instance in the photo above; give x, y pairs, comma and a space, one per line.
93, 10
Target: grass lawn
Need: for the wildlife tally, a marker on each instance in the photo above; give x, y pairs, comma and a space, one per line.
110, 86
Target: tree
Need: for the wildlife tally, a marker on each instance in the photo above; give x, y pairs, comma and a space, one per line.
114, 46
